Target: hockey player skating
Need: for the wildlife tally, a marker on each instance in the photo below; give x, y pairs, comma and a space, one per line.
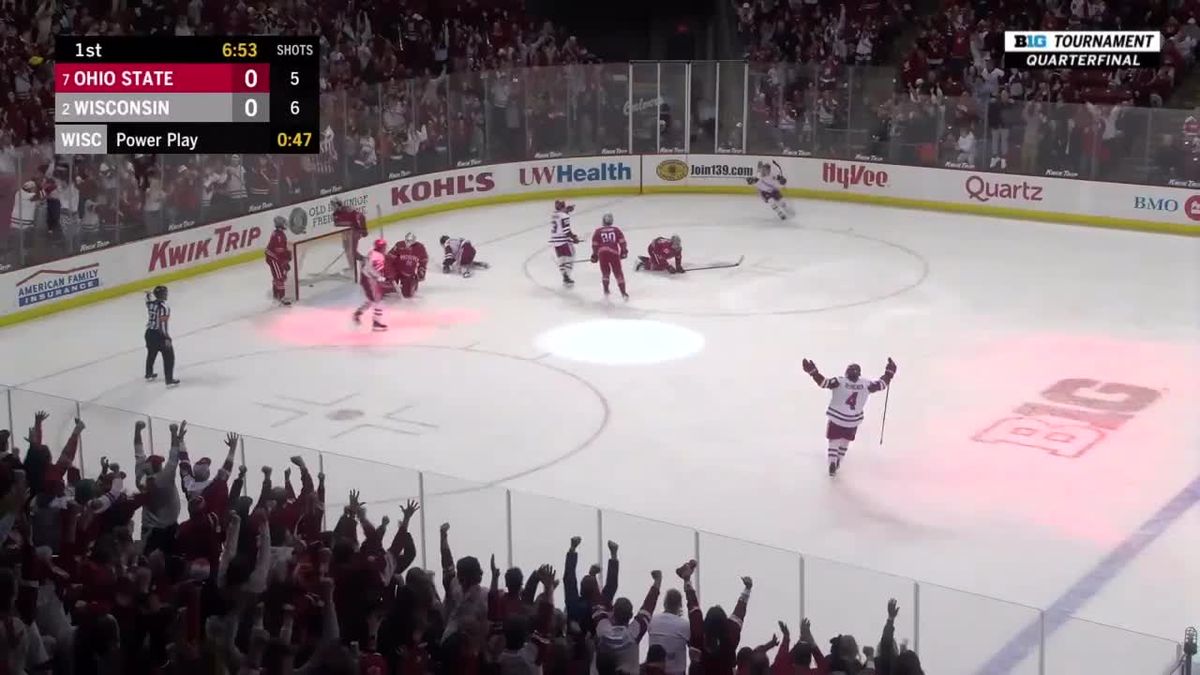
848, 398
372, 280
661, 251
563, 240
406, 264
459, 255
769, 188
354, 225
279, 260
609, 249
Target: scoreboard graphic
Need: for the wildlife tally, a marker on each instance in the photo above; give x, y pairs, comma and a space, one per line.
186, 95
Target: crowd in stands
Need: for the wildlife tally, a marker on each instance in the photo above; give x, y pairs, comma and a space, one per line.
951, 102
171, 566
389, 108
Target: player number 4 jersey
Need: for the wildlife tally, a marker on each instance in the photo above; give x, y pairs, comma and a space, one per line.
848, 399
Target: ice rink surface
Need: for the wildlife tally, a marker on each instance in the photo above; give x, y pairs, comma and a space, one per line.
688, 405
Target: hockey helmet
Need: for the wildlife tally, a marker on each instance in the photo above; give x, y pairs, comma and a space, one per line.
443, 240
607, 219
160, 292
764, 168
335, 203
560, 205
280, 222
676, 242
410, 238
380, 244
853, 372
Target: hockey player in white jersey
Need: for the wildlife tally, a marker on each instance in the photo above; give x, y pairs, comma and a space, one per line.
847, 400
458, 254
373, 279
770, 187
563, 240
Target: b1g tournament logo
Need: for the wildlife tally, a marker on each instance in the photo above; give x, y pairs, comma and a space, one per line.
49, 284
1082, 49
1071, 417
298, 221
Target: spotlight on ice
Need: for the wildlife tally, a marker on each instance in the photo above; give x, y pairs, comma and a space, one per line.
621, 342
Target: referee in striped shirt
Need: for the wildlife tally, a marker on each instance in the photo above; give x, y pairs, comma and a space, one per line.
158, 336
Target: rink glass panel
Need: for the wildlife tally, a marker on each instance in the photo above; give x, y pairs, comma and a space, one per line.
377, 132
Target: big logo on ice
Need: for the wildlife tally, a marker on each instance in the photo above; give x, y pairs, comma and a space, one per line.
48, 284
435, 188
1071, 416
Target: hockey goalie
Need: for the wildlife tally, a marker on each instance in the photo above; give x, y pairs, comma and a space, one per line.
847, 400
406, 264
770, 188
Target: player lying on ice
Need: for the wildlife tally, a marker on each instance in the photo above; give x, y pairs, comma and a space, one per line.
769, 188
406, 264
459, 255
661, 251
847, 400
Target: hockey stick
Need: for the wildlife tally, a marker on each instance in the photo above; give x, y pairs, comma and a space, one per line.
780, 168
887, 394
716, 266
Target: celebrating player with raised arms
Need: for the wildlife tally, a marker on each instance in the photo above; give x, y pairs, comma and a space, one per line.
406, 264
847, 400
279, 260
372, 280
608, 249
770, 189
661, 251
563, 240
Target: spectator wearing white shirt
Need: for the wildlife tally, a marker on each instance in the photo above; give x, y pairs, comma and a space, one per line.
966, 146
669, 629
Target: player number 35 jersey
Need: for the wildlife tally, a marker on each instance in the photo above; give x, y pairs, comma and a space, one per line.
847, 399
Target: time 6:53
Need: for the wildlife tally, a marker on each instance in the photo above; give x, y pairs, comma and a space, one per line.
239, 50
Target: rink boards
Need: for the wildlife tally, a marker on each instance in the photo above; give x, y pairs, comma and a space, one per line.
62, 284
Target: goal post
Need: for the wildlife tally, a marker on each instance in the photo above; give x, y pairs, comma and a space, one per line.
321, 259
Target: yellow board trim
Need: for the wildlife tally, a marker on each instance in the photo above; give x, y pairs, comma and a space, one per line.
256, 254
827, 195
928, 205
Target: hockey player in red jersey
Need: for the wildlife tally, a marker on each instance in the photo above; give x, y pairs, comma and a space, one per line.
372, 279
355, 228
609, 248
661, 251
406, 264
848, 399
279, 260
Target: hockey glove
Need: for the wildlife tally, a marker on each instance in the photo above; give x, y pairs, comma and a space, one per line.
809, 366
672, 270
595, 259
445, 269
421, 274
751, 181
781, 179
891, 366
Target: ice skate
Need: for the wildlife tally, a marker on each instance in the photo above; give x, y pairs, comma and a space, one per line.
150, 377
285, 302
358, 316
641, 265
568, 281
172, 383
466, 272
833, 467
378, 326
624, 296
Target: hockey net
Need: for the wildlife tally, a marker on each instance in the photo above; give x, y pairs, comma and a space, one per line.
320, 260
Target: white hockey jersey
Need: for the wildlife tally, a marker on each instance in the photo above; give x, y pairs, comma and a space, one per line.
376, 265
769, 184
453, 250
560, 229
848, 399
